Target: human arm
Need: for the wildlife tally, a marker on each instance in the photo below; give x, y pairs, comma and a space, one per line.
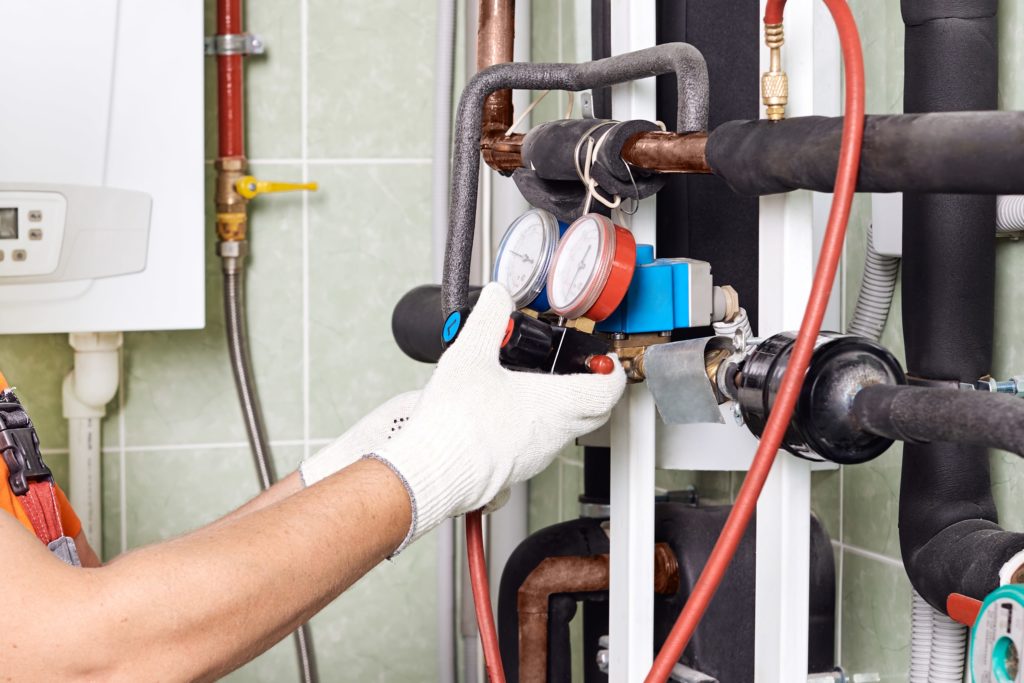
198, 606
201, 605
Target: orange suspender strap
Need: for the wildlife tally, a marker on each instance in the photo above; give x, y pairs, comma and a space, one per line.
29, 478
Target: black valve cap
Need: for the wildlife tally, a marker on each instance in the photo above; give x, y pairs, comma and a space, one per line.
528, 342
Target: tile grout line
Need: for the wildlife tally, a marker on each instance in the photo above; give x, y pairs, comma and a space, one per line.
214, 445
122, 437
304, 151
868, 554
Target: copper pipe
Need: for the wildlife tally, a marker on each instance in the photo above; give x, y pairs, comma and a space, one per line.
495, 35
572, 574
502, 152
657, 151
667, 152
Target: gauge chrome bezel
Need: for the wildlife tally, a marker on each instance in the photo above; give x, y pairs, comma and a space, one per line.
538, 278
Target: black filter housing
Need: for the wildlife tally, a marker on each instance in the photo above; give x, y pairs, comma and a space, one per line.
823, 422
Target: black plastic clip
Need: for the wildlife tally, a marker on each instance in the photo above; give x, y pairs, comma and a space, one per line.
20, 449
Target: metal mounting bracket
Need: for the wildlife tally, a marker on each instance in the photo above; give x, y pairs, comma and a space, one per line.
234, 44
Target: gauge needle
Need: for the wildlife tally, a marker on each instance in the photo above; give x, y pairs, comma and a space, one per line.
579, 268
522, 256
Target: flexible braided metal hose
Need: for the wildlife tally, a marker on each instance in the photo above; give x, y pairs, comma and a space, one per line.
252, 415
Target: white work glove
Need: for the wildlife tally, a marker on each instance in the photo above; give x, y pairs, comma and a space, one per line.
479, 428
363, 438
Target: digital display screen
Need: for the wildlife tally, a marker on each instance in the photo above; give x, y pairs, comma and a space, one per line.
8, 224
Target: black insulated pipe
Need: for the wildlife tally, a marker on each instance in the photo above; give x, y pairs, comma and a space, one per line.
970, 152
931, 414
949, 535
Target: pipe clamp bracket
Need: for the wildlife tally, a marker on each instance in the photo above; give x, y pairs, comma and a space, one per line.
234, 44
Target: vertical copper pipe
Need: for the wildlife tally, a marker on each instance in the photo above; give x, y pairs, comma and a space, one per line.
496, 30
571, 574
230, 118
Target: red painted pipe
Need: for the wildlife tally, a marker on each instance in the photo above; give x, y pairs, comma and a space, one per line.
230, 107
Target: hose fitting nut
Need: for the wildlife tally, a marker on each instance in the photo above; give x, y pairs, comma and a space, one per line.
774, 82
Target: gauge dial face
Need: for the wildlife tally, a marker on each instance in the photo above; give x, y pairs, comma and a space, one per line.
581, 265
525, 254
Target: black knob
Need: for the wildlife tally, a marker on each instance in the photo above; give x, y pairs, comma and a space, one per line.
528, 342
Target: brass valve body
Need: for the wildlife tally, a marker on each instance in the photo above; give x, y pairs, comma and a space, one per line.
774, 82
232, 219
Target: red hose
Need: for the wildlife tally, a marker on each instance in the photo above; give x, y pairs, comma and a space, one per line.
771, 439
482, 597
773, 11
230, 116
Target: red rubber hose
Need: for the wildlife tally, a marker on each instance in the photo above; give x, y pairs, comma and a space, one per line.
778, 421
482, 596
773, 11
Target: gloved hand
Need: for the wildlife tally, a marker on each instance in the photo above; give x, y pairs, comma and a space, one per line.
479, 428
365, 437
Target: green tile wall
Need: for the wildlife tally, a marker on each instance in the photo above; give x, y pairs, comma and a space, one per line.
340, 98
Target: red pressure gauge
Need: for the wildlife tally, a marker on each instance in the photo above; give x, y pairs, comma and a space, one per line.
591, 269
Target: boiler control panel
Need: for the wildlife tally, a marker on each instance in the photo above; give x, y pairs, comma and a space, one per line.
64, 233
31, 232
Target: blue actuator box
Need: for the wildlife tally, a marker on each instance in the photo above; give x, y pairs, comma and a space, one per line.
664, 294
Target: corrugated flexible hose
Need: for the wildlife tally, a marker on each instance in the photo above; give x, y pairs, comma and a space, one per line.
875, 296
252, 415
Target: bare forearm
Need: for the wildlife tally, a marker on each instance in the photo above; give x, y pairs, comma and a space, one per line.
201, 605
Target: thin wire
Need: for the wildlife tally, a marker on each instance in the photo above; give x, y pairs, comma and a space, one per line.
636, 190
526, 112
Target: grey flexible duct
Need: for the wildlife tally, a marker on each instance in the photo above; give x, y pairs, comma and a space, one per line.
1009, 213
875, 296
692, 115
252, 415
880, 272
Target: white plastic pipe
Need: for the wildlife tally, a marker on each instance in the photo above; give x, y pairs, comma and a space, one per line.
87, 389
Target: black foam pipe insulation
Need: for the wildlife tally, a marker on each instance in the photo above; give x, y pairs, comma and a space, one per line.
699, 216
929, 414
949, 533
977, 152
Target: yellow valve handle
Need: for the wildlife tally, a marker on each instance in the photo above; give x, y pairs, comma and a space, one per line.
249, 187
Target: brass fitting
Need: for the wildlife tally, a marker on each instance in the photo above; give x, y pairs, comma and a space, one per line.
232, 219
774, 82
630, 349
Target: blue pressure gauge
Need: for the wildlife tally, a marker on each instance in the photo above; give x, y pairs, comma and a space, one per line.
524, 257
